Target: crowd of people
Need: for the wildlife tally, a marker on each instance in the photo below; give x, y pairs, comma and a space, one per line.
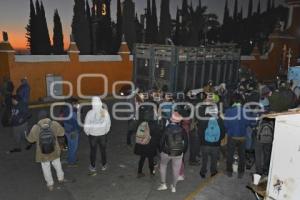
164, 127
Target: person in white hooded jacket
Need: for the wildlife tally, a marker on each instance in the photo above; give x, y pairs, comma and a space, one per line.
96, 126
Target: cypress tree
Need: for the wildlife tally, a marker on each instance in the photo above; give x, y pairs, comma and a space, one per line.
154, 22
250, 8
269, 5
226, 17
258, 8
165, 23
129, 23
177, 35
273, 4
38, 28
235, 12
58, 38
31, 30
81, 28
46, 44
119, 31
149, 35
89, 18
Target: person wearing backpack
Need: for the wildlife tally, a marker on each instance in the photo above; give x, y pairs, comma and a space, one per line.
147, 141
173, 145
211, 131
263, 146
72, 131
96, 126
236, 127
45, 134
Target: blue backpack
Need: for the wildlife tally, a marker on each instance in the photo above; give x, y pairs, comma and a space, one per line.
212, 132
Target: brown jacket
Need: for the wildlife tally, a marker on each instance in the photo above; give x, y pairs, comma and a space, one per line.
34, 134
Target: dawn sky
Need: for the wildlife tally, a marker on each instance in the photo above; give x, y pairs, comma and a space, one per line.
14, 14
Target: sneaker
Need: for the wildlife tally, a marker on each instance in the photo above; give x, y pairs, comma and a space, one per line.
104, 168
180, 178
141, 175
15, 150
213, 174
50, 188
202, 175
173, 189
162, 187
152, 173
92, 171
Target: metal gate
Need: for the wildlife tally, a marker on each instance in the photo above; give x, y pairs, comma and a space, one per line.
181, 68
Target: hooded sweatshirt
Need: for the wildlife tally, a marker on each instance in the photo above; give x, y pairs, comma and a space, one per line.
97, 121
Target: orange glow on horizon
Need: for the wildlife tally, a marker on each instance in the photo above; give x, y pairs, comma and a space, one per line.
18, 40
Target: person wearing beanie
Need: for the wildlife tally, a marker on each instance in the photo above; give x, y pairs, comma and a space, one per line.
173, 145
45, 155
96, 126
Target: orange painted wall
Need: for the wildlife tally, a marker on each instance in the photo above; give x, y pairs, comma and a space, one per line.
36, 73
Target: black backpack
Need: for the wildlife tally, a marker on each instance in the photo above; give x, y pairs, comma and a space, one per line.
47, 139
175, 140
265, 132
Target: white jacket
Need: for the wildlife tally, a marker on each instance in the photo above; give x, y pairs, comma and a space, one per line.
97, 121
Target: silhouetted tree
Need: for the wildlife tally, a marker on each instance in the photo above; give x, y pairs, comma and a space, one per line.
58, 38
149, 31
165, 23
44, 33
250, 8
129, 23
139, 30
31, 30
81, 28
154, 22
258, 8
89, 19
269, 5
119, 31
177, 33
235, 11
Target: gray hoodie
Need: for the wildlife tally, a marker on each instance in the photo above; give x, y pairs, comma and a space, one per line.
97, 121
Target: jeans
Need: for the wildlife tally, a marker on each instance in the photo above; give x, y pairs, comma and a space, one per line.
19, 135
194, 146
232, 144
262, 157
73, 140
142, 161
46, 167
213, 152
96, 141
176, 165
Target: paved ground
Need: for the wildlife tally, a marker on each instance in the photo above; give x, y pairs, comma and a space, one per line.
21, 177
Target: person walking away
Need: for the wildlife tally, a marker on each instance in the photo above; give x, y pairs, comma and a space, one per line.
7, 91
211, 131
173, 145
72, 130
18, 122
45, 134
236, 127
147, 141
96, 126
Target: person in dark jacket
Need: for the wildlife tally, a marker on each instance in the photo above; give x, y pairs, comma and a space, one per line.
23, 92
19, 124
236, 127
173, 145
72, 131
149, 150
210, 148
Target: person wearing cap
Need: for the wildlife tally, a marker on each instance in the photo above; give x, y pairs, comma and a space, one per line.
53, 158
211, 147
96, 126
173, 145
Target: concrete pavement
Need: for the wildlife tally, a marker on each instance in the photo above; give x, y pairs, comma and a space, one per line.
21, 177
